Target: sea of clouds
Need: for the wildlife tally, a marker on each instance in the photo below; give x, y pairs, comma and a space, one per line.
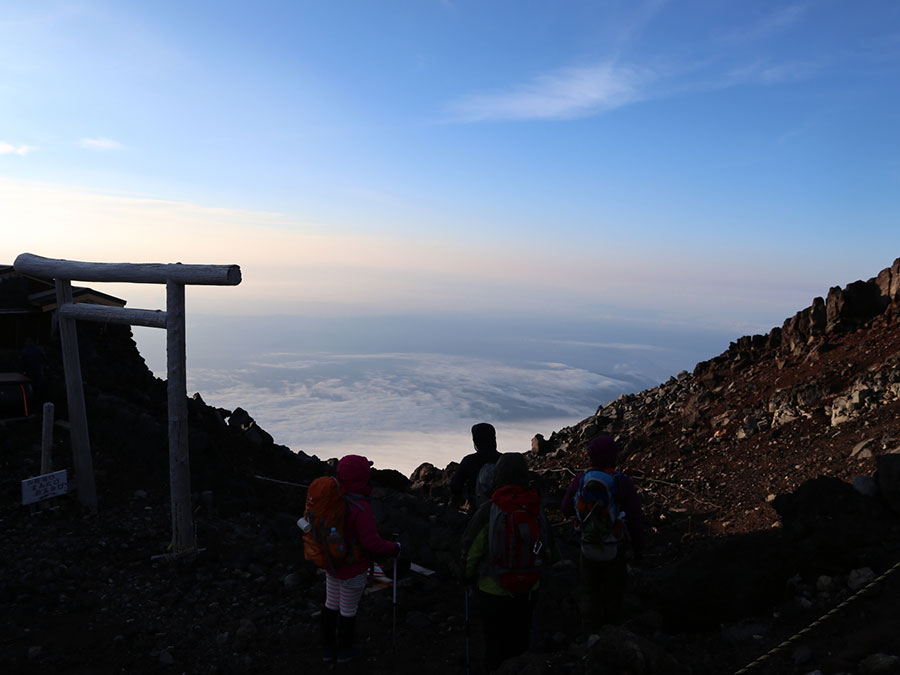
330, 386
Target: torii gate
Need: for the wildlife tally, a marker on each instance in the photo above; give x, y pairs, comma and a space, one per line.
175, 276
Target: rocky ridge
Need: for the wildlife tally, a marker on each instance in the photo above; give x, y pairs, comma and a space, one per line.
769, 478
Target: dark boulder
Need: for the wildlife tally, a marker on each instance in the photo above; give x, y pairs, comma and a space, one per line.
888, 477
540, 445
831, 525
390, 479
240, 420
736, 577
851, 307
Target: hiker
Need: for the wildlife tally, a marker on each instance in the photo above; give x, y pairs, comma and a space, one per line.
603, 566
507, 588
465, 483
344, 585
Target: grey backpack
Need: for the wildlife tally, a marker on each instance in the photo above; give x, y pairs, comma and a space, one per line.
484, 484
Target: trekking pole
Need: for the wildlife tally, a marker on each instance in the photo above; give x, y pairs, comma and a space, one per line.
533, 637
395, 537
468, 635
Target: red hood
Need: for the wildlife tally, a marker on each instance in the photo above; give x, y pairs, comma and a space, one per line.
353, 474
512, 496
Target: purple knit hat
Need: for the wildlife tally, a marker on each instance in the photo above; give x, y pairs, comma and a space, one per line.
602, 451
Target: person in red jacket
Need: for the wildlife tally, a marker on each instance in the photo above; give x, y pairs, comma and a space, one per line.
603, 581
344, 587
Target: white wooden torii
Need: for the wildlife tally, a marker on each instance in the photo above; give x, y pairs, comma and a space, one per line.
175, 276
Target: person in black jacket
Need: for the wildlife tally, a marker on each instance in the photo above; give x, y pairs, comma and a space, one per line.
462, 486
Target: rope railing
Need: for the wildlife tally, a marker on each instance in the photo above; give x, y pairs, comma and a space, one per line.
818, 622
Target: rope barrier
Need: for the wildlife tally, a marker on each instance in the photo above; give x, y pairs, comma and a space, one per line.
678, 486
282, 482
818, 622
561, 470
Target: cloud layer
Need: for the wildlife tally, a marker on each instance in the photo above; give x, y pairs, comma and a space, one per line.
331, 404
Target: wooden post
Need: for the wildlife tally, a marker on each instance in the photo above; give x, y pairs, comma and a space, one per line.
47, 439
81, 445
179, 455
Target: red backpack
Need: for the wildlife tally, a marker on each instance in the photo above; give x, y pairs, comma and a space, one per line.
327, 506
515, 538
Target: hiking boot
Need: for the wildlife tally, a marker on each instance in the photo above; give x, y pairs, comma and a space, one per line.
350, 653
345, 629
329, 634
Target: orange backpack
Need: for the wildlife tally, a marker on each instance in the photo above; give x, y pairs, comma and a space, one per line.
326, 510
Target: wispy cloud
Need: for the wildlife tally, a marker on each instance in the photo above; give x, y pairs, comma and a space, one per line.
587, 90
769, 25
562, 94
769, 73
10, 149
787, 72
641, 16
100, 143
626, 346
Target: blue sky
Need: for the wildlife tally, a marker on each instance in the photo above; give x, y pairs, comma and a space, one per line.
749, 149
666, 165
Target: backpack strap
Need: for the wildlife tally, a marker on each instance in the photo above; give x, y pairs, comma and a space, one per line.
353, 500
620, 508
617, 483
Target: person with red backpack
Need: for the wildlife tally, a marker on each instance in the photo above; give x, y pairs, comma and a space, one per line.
347, 564
506, 546
606, 509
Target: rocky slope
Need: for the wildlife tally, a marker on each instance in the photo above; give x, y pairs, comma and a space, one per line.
768, 477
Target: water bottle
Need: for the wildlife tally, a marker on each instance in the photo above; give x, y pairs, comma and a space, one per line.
335, 541
304, 524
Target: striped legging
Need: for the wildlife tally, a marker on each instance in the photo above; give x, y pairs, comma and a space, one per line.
344, 594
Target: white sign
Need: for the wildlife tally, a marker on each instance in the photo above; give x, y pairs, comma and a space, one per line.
45, 486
